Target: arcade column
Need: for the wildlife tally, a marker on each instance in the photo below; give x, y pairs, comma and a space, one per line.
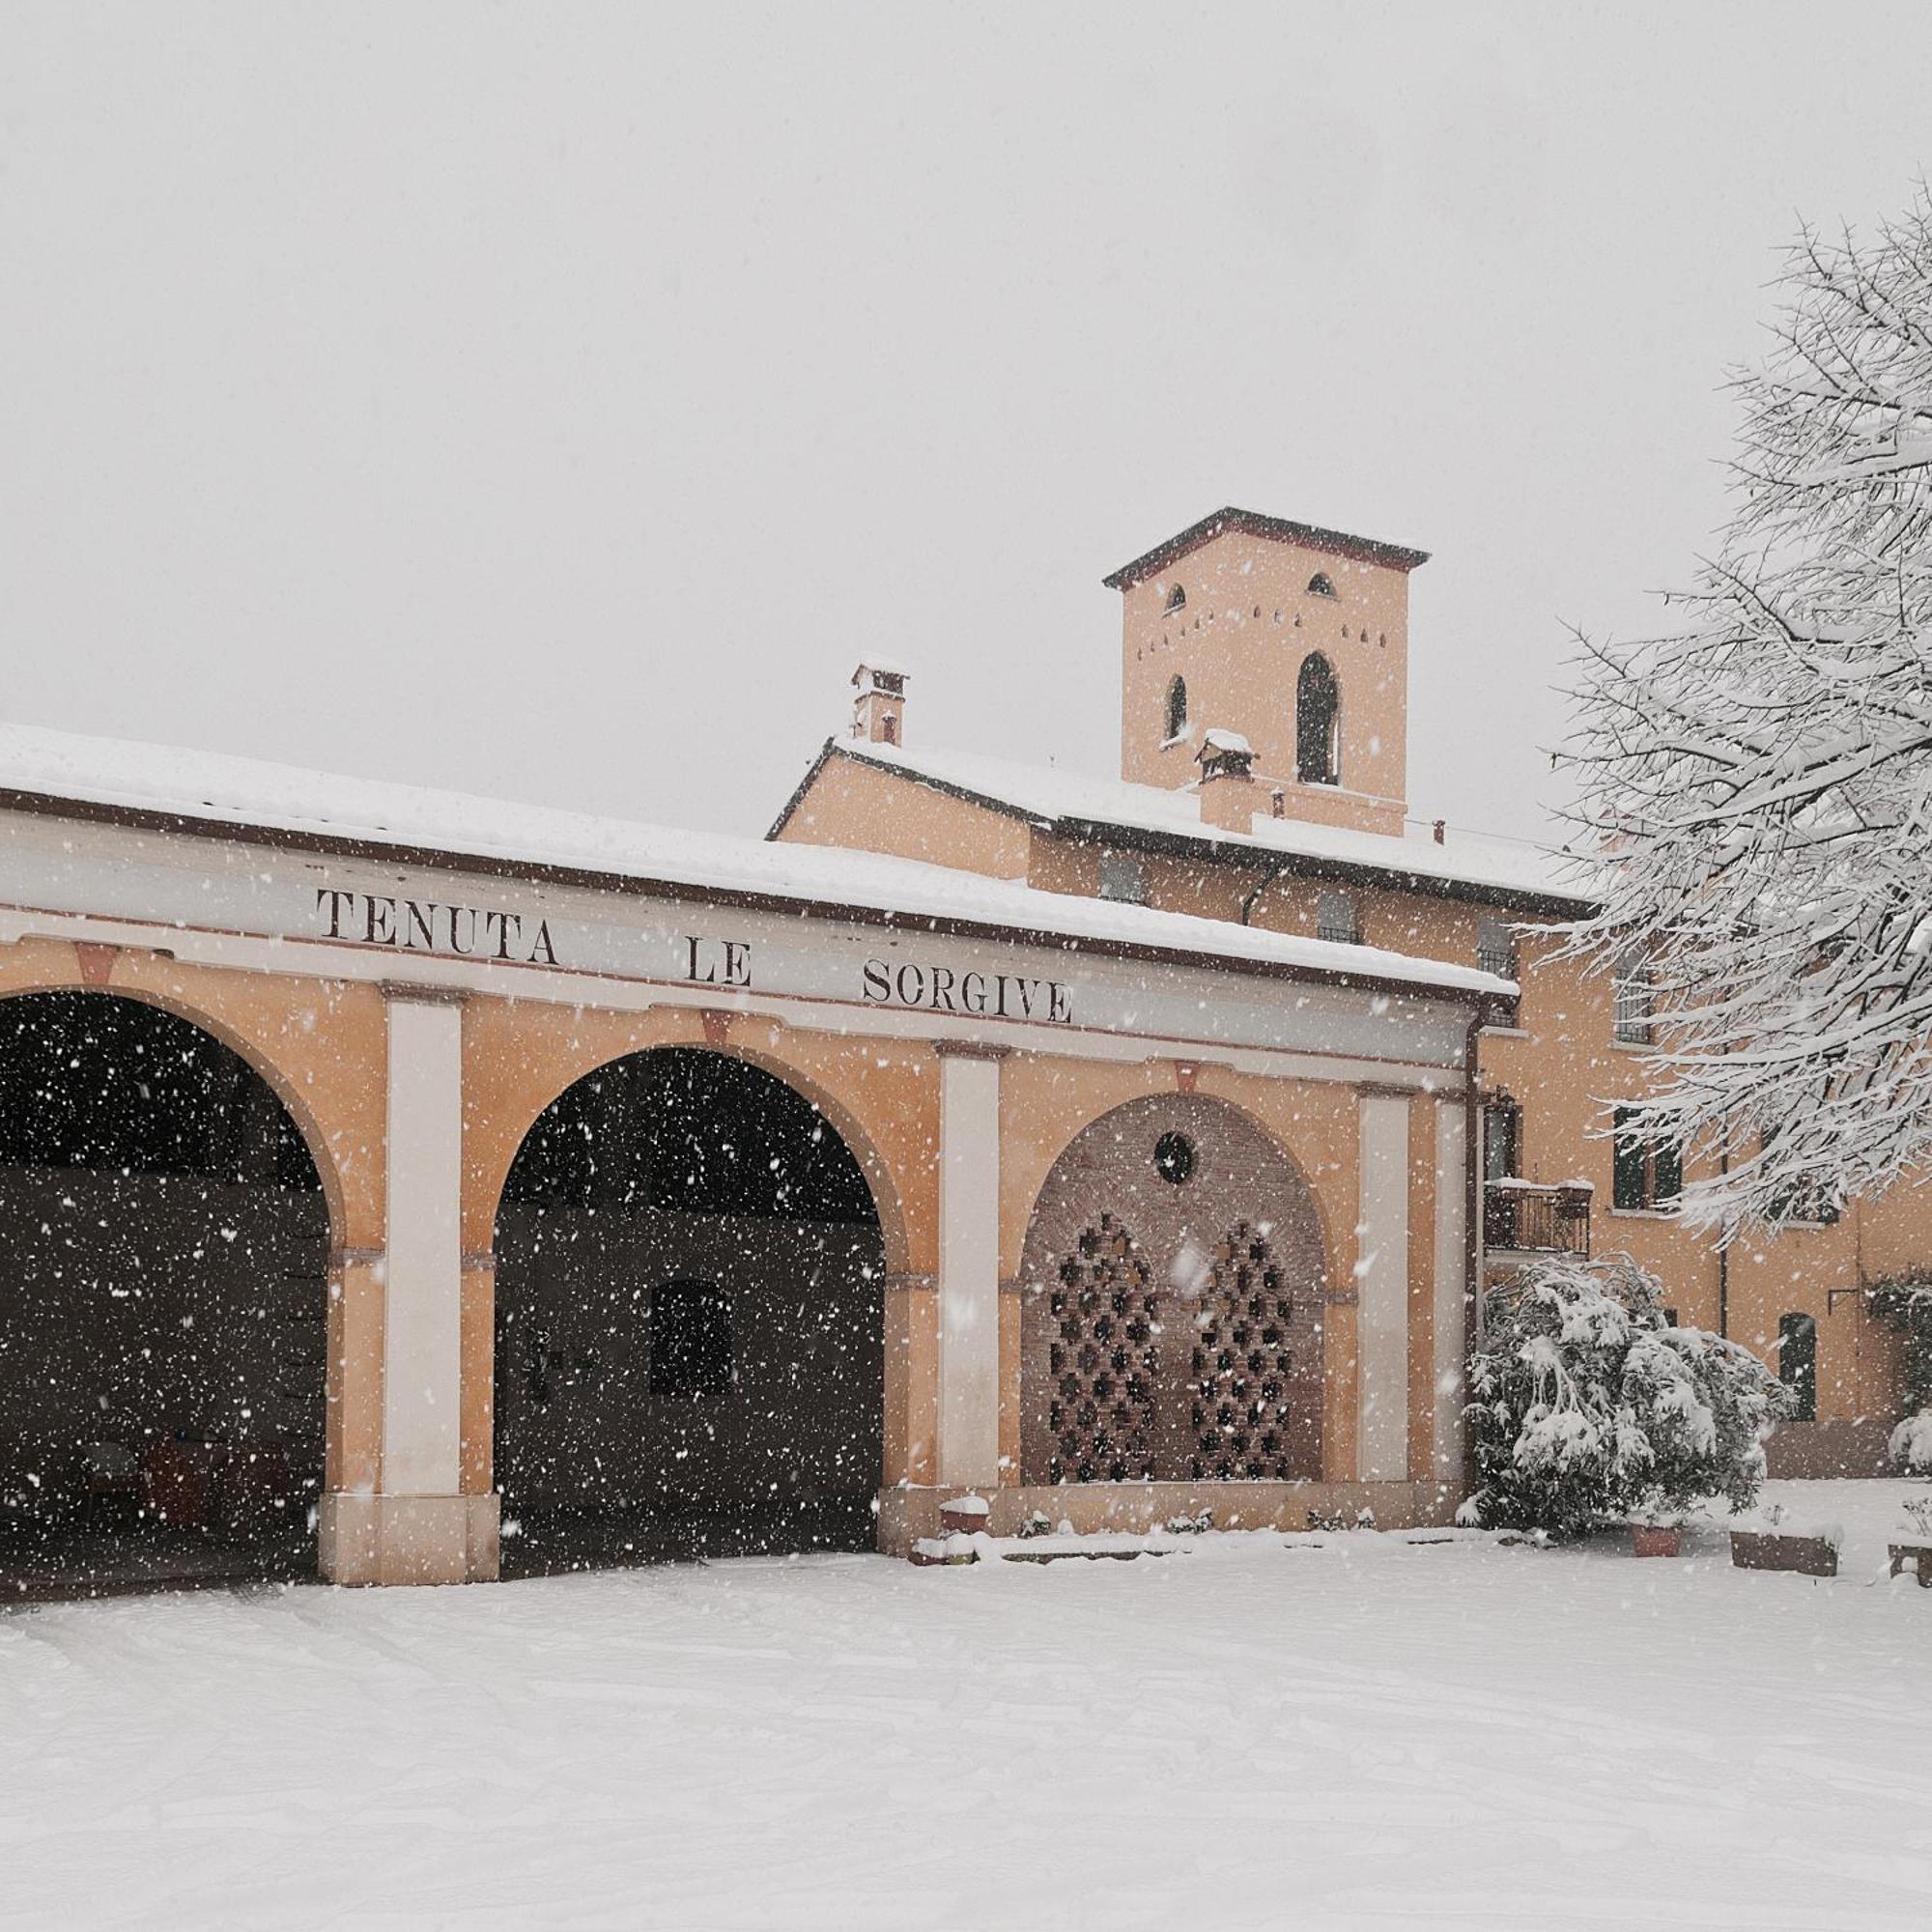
415, 1525
969, 1267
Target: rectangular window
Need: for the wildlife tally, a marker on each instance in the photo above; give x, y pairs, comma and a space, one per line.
1633, 1001
1502, 1141
1798, 1362
1335, 919
1495, 949
691, 1339
1643, 1174
1122, 877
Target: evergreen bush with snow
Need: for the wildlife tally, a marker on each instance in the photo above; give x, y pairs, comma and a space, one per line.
1759, 782
1588, 1405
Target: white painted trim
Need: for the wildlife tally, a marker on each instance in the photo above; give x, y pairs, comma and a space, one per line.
969, 1271
1452, 1211
343, 961
1382, 1280
422, 1359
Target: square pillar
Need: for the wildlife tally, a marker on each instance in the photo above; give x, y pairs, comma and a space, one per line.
1382, 1281
969, 1267
1451, 1288
418, 1526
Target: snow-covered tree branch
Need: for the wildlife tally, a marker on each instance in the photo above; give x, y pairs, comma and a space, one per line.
1760, 779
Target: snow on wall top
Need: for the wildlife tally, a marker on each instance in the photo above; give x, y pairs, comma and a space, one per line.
253, 794
1047, 795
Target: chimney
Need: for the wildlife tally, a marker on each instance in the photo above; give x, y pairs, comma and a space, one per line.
1226, 781
878, 706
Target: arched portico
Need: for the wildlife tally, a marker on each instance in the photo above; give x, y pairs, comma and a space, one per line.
688, 1319
164, 1301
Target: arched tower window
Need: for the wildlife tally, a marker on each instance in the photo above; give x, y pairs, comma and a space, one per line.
1177, 707
1318, 718
1318, 586
1177, 599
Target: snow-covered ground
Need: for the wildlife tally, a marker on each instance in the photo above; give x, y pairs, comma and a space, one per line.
1238, 1735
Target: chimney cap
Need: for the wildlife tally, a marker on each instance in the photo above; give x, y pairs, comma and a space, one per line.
1224, 754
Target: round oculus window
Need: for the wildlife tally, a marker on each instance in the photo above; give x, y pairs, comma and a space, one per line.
1173, 1158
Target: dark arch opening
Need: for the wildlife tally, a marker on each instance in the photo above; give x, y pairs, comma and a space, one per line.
1318, 738
1177, 707
164, 1305
690, 1322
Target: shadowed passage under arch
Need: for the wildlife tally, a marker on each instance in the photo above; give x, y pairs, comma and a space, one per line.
164, 1305
690, 1320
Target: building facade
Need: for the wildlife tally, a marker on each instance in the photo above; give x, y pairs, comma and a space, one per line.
415, 1189
1289, 644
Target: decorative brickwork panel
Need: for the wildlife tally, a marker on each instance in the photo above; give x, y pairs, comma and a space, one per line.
1173, 1297
1243, 1367
1103, 1360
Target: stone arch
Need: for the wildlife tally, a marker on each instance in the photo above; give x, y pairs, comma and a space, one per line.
689, 1318
885, 1185
1227, 1235
245, 1046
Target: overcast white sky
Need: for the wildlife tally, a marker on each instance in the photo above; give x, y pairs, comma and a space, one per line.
555, 401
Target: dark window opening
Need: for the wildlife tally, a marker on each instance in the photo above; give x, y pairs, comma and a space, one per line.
1177, 707
1177, 599
1317, 709
1320, 586
1645, 1173
1173, 1158
1798, 1363
889, 728
691, 1339
1502, 1141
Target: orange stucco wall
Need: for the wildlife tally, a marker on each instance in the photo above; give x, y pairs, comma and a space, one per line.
867, 808
1239, 642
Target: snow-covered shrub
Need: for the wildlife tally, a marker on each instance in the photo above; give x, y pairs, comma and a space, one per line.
1198, 1524
1588, 1405
1911, 1444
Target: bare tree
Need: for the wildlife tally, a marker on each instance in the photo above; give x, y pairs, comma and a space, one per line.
1760, 781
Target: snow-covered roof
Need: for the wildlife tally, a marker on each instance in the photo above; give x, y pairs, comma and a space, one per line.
1465, 865
213, 789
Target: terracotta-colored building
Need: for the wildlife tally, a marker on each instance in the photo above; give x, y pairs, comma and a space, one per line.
416, 1189
1291, 642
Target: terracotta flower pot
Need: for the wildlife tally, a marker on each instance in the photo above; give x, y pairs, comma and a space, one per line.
1650, 1541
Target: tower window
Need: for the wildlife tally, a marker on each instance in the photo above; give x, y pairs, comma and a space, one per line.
1177, 599
1177, 707
1318, 708
1318, 586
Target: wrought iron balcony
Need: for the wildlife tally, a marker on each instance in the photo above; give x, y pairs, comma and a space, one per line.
1527, 1217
